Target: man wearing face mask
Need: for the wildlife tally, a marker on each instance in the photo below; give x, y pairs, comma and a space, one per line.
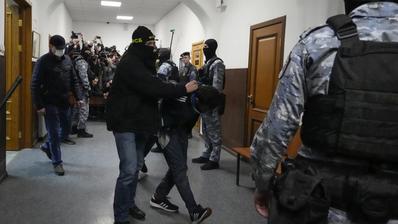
53, 78
211, 74
132, 114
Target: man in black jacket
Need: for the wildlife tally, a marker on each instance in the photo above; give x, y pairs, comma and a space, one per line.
132, 114
53, 78
177, 115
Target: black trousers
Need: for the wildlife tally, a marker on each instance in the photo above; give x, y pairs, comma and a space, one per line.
175, 154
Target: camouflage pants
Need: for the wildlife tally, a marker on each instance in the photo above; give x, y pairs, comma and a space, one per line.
212, 135
80, 114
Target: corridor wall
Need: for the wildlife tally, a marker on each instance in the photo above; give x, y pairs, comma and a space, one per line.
50, 17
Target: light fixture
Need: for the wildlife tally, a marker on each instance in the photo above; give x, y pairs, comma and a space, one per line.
111, 3
124, 17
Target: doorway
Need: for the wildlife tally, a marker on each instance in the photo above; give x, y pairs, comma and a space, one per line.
16, 118
197, 59
13, 70
265, 62
18, 61
197, 54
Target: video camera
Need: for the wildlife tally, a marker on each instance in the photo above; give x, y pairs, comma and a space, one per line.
76, 35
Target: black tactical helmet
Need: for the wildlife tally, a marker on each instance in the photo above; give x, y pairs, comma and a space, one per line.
352, 4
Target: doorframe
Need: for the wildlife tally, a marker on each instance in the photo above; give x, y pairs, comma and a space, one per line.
279, 20
26, 120
195, 45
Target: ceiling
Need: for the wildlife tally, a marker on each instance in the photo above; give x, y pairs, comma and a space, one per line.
146, 12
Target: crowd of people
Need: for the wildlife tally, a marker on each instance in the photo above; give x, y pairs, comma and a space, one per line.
344, 173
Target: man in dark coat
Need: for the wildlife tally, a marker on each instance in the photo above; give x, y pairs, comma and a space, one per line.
132, 114
53, 78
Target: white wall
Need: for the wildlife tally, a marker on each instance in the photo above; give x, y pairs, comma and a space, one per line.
2, 31
111, 34
231, 27
50, 17
188, 30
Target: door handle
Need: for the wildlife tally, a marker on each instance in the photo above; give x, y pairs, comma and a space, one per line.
250, 99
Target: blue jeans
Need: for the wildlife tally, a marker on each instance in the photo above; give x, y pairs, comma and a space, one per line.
176, 157
130, 147
57, 124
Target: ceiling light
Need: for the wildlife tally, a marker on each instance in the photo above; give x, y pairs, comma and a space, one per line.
124, 17
111, 3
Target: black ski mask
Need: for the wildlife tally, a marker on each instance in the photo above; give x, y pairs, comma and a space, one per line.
148, 54
350, 5
210, 51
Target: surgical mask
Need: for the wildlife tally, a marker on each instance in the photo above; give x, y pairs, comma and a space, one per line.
57, 52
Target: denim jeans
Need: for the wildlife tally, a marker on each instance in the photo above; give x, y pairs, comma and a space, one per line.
176, 157
56, 119
130, 148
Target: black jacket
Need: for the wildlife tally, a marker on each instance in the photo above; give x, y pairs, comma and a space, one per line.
133, 98
52, 81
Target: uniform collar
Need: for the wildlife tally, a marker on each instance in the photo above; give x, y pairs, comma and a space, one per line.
376, 9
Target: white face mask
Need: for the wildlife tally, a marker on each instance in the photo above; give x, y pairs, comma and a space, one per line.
58, 53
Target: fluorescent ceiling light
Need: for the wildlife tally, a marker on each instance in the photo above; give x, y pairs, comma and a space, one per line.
124, 17
111, 3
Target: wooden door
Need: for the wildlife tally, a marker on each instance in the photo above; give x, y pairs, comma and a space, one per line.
198, 61
13, 70
265, 62
197, 54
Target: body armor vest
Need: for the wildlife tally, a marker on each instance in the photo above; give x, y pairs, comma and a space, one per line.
358, 118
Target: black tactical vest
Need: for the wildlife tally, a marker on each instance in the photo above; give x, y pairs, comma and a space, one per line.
204, 74
358, 117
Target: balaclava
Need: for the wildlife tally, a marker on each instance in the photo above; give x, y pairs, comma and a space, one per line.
211, 50
146, 53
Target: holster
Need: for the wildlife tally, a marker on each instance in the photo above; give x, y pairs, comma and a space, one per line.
368, 194
299, 197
